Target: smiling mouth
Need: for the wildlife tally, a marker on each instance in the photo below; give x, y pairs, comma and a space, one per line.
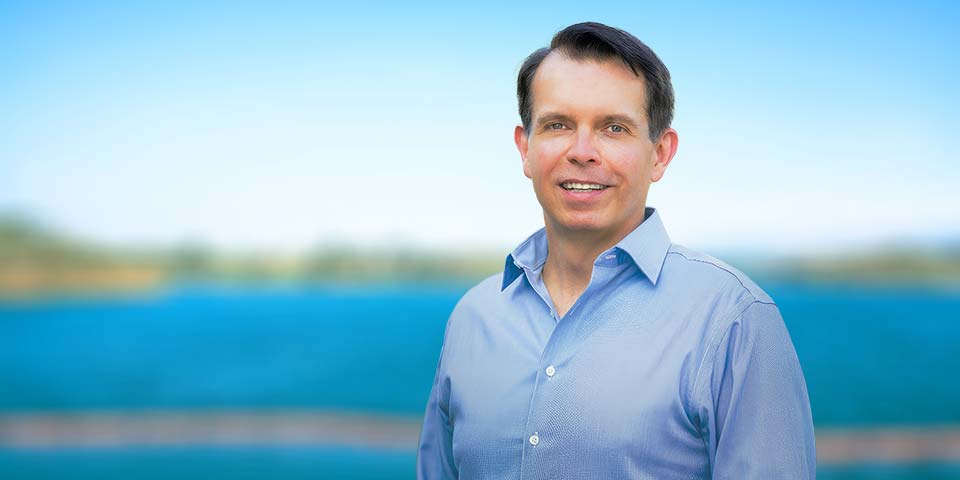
582, 187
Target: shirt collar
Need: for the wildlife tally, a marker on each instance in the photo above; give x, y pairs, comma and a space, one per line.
646, 246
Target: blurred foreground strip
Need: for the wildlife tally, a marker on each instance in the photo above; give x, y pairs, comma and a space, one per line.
318, 428
156, 428
894, 445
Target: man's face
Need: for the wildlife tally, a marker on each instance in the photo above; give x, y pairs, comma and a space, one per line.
588, 151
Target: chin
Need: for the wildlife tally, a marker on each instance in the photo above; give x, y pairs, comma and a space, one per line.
584, 225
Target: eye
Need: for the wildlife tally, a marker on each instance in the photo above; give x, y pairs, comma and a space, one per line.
555, 126
617, 129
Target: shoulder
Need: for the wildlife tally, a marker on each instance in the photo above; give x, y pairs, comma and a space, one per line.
475, 305
743, 319
701, 271
727, 299
481, 294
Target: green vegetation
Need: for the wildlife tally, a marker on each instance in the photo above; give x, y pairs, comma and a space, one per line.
33, 260
36, 261
897, 265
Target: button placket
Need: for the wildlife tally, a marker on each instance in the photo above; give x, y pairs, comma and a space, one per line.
541, 391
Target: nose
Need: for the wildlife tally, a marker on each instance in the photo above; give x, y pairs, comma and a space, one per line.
582, 151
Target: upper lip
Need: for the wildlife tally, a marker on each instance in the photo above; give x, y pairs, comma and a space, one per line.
577, 180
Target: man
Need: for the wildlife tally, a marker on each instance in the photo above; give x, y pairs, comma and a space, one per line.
603, 350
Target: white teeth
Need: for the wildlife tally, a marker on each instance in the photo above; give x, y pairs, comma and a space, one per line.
583, 186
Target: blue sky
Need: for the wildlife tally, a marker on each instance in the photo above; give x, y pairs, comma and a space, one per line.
288, 125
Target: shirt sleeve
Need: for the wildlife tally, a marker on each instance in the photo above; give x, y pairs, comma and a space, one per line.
435, 450
754, 399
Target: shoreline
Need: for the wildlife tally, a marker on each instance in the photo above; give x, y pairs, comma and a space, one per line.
159, 286
109, 429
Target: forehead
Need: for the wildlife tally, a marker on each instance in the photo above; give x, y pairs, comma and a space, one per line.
587, 87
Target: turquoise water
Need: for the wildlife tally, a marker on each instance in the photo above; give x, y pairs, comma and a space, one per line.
206, 347
303, 464
870, 357
207, 463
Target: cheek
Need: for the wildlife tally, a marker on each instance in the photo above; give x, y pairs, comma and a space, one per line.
552, 147
531, 168
628, 164
545, 156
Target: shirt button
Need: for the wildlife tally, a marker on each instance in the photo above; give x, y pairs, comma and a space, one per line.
534, 439
551, 370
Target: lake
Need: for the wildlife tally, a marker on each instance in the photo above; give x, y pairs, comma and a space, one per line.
871, 357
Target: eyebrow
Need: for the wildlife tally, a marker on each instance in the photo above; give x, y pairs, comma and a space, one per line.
624, 119
550, 117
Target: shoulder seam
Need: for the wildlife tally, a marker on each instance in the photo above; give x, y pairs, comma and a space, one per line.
734, 275
714, 341
713, 344
710, 352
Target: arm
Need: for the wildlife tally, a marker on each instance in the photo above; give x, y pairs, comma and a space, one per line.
757, 409
435, 451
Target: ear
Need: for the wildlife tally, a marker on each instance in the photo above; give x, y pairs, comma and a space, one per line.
666, 148
520, 138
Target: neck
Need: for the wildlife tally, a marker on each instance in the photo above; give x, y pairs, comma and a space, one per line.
570, 258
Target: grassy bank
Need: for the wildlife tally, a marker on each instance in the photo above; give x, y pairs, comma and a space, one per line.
36, 261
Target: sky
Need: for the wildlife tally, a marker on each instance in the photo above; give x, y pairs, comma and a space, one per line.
284, 126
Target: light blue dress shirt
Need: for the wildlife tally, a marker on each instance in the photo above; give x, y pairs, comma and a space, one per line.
670, 365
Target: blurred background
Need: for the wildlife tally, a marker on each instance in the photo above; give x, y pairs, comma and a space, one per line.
231, 233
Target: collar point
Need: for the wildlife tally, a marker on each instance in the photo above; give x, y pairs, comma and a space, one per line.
510, 272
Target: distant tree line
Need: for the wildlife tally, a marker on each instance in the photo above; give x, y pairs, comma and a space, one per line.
35, 260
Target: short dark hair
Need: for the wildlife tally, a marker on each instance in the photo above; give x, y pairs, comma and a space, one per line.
596, 41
